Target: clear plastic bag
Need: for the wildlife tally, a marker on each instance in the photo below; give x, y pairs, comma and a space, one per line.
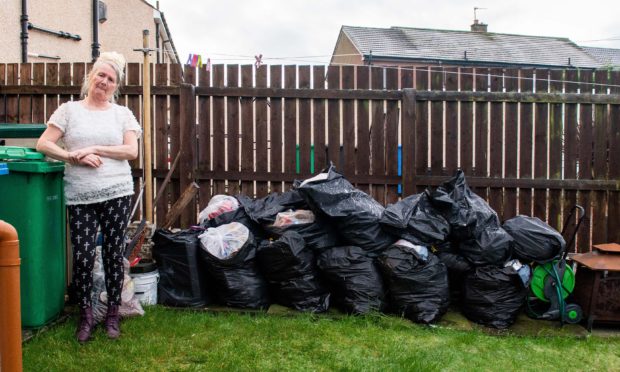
226, 240
218, 205
130, 305
290, 217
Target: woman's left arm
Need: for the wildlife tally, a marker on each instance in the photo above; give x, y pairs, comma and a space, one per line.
127, 151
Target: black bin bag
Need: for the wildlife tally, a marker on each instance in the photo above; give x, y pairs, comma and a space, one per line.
447, 252
416, 220
416, 282
493, 296
354, 214
534, 240
182, 280
488, 246
290, 269
465, 211
265, 211
229, 253
353, 279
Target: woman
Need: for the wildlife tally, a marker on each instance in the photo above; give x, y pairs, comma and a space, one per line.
99, 137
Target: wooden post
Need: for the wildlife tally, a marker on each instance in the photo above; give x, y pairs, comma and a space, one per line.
146, 117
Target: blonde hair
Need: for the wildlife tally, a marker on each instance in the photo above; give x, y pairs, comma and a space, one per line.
112, 59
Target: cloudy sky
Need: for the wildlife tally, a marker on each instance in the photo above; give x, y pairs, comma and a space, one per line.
305, 31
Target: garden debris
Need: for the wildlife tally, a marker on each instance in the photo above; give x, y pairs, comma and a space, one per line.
534, 240
416, 280
182, 279
353, 278
236, 278
290, 268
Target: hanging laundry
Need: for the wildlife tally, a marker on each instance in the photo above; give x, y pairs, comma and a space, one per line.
194, 60
259, 60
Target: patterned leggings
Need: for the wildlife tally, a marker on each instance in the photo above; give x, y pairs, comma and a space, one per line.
84, 221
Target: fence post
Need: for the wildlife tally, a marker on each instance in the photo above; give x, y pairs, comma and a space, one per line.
408, 144
187, 163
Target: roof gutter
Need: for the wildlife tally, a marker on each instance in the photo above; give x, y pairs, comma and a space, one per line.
382, 59
168, 37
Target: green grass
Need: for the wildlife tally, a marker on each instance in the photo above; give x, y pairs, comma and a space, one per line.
183, 340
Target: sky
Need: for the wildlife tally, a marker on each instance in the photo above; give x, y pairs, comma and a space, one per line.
305, 32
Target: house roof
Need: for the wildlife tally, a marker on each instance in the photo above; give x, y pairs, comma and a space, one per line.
467, 47
607, 56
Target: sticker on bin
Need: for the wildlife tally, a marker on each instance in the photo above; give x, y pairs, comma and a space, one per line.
3, 169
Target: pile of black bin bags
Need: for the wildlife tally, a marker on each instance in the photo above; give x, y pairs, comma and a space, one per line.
326, 244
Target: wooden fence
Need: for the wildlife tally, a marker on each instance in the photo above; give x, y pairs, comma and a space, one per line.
532, 142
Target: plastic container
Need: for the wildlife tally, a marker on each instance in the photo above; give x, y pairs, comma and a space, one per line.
145, 277
32, 200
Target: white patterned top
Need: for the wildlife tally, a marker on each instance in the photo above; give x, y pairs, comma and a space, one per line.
82, 128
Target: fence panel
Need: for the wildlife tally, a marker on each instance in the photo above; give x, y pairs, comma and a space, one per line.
347, 81
38, 100
585, 156
466, 133
232, 120
496, 142
451, 148
613, 204
12, 100
305, 124
571, 148
526, 138
421, 127
318, 119
362, 158
290, 125
261, 125
204, 138
160, 143
377, 136
511, 142
481, 114
25, 100
247, 133
556, 149
275, 130
391, 135
333, 118
599, 165
258, 136
219, 132
174, 133
541, 111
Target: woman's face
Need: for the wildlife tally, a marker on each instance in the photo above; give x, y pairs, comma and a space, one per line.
103, 83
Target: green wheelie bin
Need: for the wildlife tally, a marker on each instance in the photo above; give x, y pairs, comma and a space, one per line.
32, 200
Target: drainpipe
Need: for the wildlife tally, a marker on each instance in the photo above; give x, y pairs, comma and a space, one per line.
24, 33
10, 307
95, 45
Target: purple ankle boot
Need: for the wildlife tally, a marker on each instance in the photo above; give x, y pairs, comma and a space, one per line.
85, 325
113, 322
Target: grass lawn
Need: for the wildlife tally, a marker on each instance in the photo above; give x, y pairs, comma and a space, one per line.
166, 339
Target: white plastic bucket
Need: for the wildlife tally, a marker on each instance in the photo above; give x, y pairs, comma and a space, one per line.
146, 287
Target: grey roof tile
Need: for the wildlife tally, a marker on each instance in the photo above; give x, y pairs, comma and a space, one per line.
483, 47
607, 56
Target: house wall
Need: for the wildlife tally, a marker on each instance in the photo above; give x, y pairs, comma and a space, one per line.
345, 53
122, 32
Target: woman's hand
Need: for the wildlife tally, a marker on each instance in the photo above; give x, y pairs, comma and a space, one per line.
89, 160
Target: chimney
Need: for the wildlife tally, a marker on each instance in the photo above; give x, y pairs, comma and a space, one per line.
478, 26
